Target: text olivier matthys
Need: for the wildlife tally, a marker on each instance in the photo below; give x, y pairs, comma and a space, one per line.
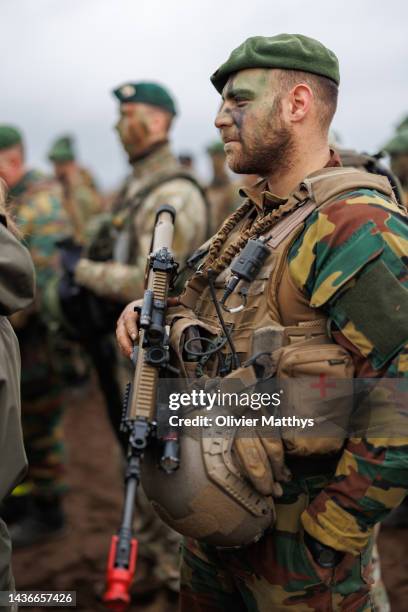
255, 401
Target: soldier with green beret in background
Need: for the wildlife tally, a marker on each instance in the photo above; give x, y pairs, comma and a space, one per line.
326, 303
81, 198
147, 111
222, 191
36, 505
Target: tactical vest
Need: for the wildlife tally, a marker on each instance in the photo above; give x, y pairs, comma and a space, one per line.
275, 303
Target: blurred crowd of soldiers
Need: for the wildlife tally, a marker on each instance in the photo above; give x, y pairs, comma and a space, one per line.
89, 258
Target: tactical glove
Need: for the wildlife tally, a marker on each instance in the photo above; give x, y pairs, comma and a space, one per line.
261, 459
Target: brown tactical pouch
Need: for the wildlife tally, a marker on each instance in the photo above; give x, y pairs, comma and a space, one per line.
182, 320
316, 377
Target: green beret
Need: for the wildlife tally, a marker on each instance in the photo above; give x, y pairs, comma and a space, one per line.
9, 136
285, 51
62, 150
398, 144
148, 93
216, 148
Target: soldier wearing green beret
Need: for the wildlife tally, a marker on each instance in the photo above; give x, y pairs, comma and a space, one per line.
335, 240
81, 198
147, 111
37, 203
146, 115
397, 148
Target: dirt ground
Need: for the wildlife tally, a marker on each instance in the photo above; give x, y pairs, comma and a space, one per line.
76, 561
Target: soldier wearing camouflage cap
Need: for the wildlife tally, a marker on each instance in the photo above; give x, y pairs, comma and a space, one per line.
147, 111
81, 198
335, 239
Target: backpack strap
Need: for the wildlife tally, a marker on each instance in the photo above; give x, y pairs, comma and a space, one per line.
135, 202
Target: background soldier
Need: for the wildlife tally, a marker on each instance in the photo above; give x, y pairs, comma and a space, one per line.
147, 111
81, 199
222, 192
37, 205
16, 292
336, 244
146, 114
397, 148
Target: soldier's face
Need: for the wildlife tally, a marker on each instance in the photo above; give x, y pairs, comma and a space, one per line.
257, 140
12, 165
133, 128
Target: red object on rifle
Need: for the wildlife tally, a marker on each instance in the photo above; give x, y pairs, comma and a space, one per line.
119, 579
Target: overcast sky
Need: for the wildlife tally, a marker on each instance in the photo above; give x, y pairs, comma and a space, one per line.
61, 58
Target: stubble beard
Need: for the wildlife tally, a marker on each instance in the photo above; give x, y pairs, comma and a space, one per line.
270, 152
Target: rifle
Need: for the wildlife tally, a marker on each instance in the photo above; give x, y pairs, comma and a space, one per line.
139, 420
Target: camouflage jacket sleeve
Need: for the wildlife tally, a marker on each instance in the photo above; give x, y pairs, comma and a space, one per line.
123, 282
350, 260
42, 222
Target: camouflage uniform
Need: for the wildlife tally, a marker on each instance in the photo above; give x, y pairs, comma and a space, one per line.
340, 504
37, 203
123, 279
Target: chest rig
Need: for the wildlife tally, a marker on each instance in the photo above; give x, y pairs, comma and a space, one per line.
208, 497
271, 298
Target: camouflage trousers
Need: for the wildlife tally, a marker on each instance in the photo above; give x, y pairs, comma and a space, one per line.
41, 412
42, 430
276, 573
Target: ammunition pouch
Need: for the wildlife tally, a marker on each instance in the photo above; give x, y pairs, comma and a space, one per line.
316, 377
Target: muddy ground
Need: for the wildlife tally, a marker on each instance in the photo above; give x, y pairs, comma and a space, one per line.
76, 561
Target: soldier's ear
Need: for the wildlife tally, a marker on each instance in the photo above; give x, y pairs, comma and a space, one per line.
297, 102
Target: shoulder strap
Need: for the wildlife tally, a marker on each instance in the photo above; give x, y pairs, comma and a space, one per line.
332, 182
165, 177
317, 191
